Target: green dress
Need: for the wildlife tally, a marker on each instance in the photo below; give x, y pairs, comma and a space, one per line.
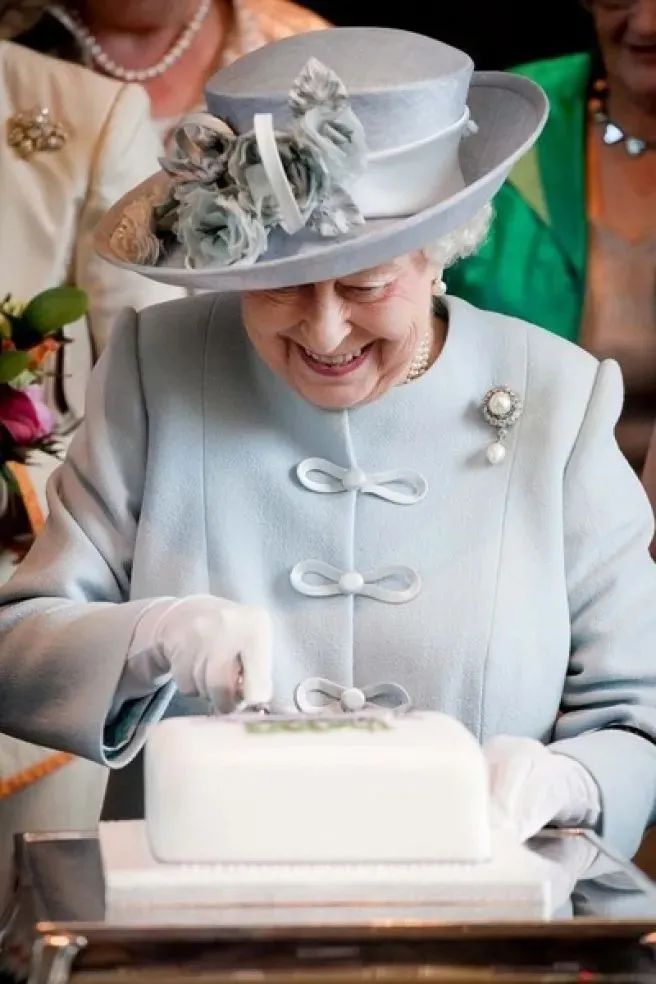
533, 264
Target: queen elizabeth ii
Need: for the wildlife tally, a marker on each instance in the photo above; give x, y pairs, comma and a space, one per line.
324, 484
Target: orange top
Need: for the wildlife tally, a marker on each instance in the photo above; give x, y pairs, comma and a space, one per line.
619, 319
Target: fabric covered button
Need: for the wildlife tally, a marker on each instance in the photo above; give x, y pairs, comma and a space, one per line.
352, 699
354, 479
351, 583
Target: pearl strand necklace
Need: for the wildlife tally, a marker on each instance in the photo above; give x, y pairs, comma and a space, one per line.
95, 53
421, 358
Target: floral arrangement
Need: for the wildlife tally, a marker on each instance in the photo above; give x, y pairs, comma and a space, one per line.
221, 207
29, 334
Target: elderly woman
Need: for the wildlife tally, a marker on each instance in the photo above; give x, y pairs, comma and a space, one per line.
337, 485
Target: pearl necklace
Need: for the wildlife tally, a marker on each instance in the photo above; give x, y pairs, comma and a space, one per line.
421, 358
95, 53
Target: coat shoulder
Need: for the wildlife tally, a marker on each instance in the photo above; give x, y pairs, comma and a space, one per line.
552, 357
282, 18
559, 376
161, 327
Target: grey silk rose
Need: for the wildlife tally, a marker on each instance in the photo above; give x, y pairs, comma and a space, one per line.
216, 231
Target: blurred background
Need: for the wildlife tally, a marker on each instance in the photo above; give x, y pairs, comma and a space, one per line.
495, 34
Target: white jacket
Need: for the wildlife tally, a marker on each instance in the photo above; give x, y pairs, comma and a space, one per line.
50, 203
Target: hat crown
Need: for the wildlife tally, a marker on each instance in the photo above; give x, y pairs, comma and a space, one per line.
402, 86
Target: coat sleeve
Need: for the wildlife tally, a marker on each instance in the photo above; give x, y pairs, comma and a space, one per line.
608, 720
126, 154
65, 619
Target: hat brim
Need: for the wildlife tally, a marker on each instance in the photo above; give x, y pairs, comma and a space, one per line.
510, 112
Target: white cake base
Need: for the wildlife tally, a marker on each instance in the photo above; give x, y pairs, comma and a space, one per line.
378, 788
513, 884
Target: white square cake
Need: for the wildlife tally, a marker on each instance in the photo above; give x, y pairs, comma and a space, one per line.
341, 788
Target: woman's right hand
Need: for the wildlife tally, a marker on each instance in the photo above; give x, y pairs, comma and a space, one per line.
210, 647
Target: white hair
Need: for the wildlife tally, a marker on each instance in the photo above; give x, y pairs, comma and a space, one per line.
462, 242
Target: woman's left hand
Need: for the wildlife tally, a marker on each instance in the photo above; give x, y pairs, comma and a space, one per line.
573, 859
532, 787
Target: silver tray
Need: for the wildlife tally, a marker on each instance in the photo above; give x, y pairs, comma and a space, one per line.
55, 931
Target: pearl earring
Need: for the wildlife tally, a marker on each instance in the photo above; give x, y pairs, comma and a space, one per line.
501, 408
439, 288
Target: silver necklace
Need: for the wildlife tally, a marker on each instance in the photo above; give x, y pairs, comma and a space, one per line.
612, 131
96, 54
614, 134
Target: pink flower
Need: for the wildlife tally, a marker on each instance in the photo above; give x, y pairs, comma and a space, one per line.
24, 414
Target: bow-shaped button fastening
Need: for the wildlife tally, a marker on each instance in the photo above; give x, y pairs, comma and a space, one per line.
316, 579
397, 485
317, 694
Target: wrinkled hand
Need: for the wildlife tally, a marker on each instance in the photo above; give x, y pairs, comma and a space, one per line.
531, 787
210, 647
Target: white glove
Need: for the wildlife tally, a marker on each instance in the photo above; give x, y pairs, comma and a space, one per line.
572, 859
532, 787
209, 647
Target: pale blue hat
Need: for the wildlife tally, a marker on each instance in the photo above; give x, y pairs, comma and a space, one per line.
321, 155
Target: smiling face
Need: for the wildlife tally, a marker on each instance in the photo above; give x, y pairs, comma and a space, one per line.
626, 30
343, 342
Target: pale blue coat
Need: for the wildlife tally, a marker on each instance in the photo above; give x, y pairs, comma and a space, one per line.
537, 609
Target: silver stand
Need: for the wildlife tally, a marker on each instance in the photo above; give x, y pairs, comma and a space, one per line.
52, 958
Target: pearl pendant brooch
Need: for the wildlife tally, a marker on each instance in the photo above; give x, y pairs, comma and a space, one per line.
496, 453
501, 408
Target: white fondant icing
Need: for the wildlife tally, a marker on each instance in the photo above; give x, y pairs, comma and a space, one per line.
514, 884
372, 787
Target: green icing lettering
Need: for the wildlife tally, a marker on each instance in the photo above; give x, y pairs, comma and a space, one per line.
301, 725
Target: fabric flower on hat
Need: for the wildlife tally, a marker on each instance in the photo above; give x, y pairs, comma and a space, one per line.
217, 231
317, 85
337, 139
326, 123
303, 168
336, 215
134, 238
220, 204
201, 148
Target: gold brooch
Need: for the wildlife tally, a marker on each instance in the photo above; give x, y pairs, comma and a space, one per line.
33, 130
